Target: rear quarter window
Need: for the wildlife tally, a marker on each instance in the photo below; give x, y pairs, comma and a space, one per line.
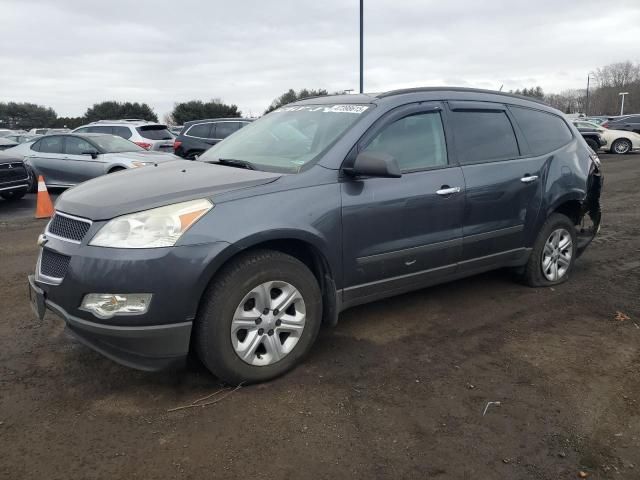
544, 131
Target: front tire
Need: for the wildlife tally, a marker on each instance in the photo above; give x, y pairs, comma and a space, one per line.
621, 146
241, 334
553, 254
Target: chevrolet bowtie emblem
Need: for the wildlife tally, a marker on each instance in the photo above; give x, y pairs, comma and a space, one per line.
42, 239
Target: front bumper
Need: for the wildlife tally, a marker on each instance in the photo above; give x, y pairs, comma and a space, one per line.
151, 348
175, 276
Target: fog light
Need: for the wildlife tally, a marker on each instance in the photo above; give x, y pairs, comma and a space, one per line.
106, 305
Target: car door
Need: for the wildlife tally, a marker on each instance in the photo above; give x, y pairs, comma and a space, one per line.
46, 158
503, 184
402, 233
80, 165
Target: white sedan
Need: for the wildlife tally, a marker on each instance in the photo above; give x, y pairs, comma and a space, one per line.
618, 141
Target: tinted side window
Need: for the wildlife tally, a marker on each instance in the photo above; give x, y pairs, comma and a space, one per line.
416, 142
484, 136
123, 132
544, 132
77, 146
224, 129
51, 144
101, 129
200, 130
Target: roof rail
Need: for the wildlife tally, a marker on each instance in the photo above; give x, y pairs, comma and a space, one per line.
121, 120
457, 89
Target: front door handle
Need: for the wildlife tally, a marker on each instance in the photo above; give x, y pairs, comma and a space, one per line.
529, 178
446, 190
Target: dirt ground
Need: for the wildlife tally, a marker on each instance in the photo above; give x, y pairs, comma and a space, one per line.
397, 390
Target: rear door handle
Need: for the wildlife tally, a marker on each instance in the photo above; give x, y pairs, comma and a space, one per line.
529, 178
446, 190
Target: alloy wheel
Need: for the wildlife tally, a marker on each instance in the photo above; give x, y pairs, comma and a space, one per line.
556, 257
268, 323
621, 147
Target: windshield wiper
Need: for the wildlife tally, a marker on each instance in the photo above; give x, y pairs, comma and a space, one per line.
232, 162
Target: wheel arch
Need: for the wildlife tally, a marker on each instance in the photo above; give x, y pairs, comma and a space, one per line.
303, 246
570, 204
116, 168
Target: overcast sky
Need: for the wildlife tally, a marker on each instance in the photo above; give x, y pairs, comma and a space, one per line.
69, 54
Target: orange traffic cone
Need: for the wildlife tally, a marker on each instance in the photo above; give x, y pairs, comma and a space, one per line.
44, 207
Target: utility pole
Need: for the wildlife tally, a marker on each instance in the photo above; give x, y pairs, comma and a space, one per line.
361, 47
622, 94
586, 108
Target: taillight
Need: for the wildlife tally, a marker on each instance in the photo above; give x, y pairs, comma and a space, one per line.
144, 145
176, 145
605, 124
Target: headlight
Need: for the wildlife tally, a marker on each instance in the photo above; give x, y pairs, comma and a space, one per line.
140, 164
158, 227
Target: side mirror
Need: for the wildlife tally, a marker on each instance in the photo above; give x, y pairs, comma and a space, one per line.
93, 153
375, 164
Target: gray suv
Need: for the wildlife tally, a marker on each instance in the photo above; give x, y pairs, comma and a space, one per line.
321, 205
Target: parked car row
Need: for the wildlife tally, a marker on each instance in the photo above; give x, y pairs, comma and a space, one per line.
69, 159
615, 141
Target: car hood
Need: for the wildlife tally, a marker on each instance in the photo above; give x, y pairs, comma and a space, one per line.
142, 188
149, 156
8, 157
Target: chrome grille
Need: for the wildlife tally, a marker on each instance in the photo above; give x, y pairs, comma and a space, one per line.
53, 264
69, 228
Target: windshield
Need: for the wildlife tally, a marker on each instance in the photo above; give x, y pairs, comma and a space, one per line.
288, 138
113, 144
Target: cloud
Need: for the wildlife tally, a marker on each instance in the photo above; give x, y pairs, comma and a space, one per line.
69, 54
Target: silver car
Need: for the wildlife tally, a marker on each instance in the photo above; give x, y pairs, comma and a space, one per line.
69, 159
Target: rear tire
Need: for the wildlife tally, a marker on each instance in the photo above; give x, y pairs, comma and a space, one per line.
621, 146
13, 195
227, 302
547, 253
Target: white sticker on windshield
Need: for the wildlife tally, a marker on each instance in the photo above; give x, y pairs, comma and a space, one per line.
357, 109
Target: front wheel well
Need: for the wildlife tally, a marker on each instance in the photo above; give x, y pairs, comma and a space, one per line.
116, 169
313, 258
